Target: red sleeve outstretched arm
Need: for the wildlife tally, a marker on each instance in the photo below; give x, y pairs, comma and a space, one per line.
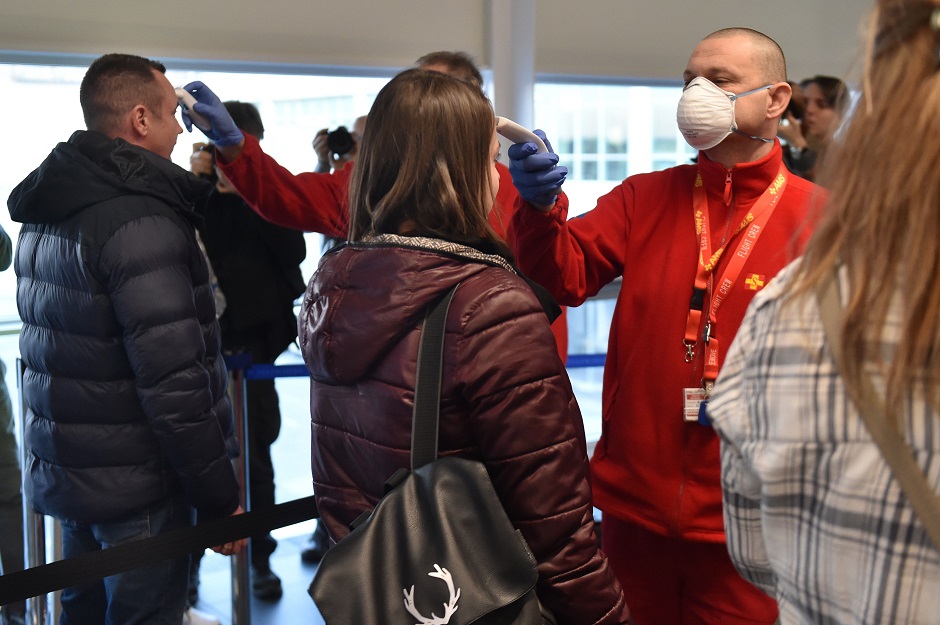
306, 201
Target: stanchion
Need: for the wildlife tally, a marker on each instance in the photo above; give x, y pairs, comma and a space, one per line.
34, 529
241, 596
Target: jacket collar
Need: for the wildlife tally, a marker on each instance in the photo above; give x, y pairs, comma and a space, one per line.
440, 246
747, 180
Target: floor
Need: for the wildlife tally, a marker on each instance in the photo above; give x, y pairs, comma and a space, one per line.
295, 606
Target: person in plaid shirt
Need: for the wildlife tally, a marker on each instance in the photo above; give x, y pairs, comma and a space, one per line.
813, 514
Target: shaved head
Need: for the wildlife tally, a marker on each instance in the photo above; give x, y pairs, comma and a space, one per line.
768, 53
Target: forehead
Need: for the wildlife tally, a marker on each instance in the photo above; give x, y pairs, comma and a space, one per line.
734, 56
813, 91
167, 92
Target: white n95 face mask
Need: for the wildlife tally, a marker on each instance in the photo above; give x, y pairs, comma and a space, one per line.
706, 113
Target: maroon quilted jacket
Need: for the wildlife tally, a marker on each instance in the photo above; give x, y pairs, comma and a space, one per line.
506, 401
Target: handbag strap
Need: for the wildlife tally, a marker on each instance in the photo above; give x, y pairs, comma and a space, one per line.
897, 454
424, 422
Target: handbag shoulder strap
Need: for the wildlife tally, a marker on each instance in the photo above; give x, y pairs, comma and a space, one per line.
897, 454
424, 422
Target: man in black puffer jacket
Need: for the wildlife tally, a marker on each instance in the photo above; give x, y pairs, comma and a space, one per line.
128, 427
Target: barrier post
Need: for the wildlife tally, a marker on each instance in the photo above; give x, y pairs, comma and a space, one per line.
34, 528
241, 597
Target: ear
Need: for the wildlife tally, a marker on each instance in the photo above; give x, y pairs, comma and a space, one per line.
140, 122
780, 94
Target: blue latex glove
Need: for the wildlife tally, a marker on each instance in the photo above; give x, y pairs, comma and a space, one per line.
224, 132
537, 177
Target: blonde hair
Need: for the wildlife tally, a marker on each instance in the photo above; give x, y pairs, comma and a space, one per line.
424, 164
882, 220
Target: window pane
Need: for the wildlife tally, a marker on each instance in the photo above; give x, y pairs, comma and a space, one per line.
589, 170
616, 170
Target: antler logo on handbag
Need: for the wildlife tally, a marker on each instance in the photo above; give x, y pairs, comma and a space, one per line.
449, 608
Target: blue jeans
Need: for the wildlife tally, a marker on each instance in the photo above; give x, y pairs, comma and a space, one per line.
154, 594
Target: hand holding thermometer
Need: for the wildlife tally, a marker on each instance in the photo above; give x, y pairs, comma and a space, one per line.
187, 101
517, 134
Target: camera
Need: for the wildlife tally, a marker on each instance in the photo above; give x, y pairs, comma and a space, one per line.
202, 161
340, 142
797, 105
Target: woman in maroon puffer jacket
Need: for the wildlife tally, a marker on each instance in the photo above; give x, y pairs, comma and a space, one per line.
424, 182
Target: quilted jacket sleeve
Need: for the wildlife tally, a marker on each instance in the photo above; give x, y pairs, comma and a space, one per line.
150, 265
531, 439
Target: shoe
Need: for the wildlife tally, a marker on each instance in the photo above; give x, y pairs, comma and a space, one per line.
317, 546
192, 616
265, 585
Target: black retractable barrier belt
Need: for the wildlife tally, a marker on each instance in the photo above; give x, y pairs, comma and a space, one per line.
89, 567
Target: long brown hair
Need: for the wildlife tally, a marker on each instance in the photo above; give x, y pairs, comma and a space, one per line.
424, 164
882, 221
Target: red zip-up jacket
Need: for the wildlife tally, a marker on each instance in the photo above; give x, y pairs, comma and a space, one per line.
651, 467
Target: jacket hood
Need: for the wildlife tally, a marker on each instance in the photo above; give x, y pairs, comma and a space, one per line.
91, 168
365, 297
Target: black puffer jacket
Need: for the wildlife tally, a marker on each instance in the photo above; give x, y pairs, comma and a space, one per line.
124, 380
505, 401
257, 264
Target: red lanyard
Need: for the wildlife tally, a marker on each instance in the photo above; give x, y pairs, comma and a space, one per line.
752, 225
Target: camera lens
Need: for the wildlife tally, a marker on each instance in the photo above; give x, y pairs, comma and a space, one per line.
340, 141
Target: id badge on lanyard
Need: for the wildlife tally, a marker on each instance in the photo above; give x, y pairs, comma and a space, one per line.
695, 400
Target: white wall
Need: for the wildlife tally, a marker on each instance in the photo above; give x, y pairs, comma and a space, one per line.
623, 38
653, 38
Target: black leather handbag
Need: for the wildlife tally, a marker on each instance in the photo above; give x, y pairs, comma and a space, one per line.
438, 548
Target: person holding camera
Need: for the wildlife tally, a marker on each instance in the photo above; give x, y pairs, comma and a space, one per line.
809, 129
337, 147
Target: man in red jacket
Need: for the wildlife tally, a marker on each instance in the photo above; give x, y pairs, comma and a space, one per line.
317, 202
693, 243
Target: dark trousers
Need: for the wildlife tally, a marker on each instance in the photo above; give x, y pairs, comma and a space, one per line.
154, 594
264, 425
